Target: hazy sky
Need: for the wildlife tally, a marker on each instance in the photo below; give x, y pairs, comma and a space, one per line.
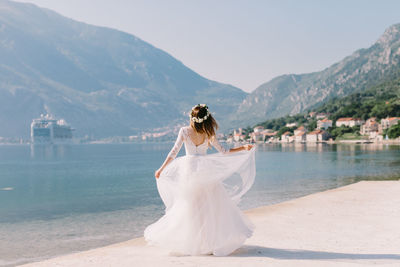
243, 43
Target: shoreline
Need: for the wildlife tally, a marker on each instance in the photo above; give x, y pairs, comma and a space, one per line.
333, 142
339, 142
348, 225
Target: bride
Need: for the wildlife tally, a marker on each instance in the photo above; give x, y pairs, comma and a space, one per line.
201, 192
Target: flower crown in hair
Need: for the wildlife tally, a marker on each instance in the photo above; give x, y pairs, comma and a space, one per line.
200, 120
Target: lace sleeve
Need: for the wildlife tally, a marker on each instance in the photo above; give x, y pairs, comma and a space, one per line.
218, 146
177, 146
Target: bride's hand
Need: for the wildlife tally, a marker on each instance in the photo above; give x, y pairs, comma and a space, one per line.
157, 173
248, 147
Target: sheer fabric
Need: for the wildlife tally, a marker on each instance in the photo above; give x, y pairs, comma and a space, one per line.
201, 193
190, 147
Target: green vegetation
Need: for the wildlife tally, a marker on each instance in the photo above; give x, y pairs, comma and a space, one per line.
349, 136
344, 132
379, 101
312, 124
247, 131
393, 132
277, 124
285, 129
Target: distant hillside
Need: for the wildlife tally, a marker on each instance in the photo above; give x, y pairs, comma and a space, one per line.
291, 94
379, 101
102, 81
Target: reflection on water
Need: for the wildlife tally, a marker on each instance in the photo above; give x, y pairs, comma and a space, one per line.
322, 147
62, 198
293, 170
48, 151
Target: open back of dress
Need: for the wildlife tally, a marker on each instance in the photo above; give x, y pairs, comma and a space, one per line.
201, 192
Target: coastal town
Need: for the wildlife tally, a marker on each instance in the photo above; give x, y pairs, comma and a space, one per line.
341, 130
368, 131
313, 128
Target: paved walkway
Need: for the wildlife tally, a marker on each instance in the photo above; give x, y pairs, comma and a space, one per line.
354, 225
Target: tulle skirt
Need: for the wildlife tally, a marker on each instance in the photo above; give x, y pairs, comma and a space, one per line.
201, 193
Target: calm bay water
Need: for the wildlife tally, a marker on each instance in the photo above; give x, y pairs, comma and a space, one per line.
61, 199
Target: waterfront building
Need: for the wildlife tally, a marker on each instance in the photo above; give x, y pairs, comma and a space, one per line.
269, 134
388, 122
286, 137
350, 122
300, 137
317, 136
324, 124
257, 136
258, 129
371, 127
301, 129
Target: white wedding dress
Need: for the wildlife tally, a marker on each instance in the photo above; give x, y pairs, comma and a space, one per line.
201, 192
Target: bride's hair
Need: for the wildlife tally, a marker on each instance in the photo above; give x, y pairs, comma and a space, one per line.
202, 121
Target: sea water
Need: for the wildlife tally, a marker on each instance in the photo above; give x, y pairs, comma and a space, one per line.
58, 199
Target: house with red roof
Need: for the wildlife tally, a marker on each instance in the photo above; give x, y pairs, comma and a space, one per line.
300, 137
324, 124
388, 122
299, 130
300, 134
371, 128
317, 136
287, 137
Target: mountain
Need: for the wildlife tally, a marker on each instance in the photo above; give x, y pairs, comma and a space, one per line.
379, 101
102, 81
291, 94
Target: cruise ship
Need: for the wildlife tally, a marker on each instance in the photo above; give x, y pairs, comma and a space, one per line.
48, 130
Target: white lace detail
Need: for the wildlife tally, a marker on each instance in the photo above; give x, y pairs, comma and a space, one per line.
190, 147
201, 193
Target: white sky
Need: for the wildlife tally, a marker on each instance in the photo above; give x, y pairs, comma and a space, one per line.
243, 43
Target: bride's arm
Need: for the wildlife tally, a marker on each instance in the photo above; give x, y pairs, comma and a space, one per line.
244, 147
221, 149
166, 162
172, 154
